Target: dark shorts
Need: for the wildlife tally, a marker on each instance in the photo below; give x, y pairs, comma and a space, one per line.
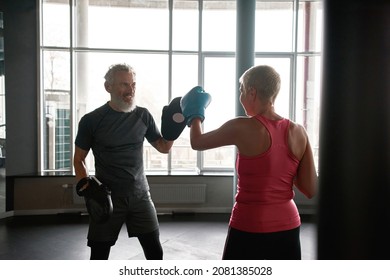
139, 215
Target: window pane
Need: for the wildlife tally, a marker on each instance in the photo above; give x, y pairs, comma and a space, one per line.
274, 26
183, 157
152, 88
310, 26
219, 26
123, 24
282, 66
2, 116
56, 106
220, 82
56, 23
185, 25
184, 74
308, 98
184, 78
151, 75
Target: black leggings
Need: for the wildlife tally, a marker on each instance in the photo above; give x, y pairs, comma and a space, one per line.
150, 243
282, 245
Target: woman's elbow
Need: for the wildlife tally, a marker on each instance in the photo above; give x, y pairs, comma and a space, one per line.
195, 144
310, 194
308, 188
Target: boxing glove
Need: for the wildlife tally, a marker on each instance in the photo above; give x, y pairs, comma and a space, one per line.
97, 198
172, 120
194, 104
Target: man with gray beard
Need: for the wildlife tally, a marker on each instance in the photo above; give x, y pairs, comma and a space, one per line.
115, 133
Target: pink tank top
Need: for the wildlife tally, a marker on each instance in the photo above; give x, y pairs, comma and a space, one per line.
264, 199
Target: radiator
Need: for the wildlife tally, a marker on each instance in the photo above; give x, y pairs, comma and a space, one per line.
178, 193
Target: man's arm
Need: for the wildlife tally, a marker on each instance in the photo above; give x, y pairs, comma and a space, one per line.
79, 165
162, 145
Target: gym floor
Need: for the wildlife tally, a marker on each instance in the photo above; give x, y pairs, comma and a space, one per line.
183, 237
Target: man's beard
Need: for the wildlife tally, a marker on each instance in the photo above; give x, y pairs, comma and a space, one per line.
127, 108
124, 106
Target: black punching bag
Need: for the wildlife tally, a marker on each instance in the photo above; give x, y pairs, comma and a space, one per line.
354, 166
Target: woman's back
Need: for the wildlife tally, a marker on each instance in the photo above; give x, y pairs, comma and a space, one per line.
253, 139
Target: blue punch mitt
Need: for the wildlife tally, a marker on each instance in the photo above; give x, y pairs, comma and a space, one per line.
172, 120
194, 104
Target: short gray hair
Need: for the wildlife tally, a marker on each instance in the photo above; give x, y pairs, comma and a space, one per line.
109, 77
264, 79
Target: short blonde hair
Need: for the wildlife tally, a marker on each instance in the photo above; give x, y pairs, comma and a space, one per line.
264, 79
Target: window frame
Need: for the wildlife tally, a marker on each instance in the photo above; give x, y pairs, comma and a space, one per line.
202, 56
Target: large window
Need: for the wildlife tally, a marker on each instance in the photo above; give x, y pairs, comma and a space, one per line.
173, 46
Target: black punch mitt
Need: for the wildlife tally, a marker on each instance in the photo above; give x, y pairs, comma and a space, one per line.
172, 120
97, 198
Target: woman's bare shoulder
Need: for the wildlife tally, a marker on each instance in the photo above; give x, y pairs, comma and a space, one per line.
297, 129
297, 139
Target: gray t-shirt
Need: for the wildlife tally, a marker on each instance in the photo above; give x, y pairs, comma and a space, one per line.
116, 140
